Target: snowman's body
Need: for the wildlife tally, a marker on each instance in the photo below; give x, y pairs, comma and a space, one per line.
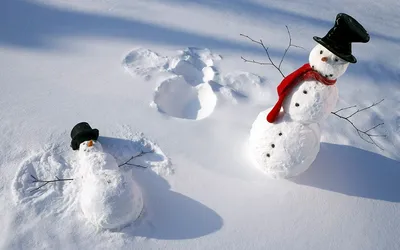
109, 198
310, 102
285, 148
289, 145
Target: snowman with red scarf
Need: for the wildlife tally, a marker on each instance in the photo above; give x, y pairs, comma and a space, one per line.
285, 139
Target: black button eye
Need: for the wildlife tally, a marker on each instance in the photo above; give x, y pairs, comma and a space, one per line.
331, 75
272, 145
297, 105
321, 52
305, 92
280, 134
268, 155
336, 60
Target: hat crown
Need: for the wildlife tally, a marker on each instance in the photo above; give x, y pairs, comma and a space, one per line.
82, 132
79, 128
339, 38
348, 30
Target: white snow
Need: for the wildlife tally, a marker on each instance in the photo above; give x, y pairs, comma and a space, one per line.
105, 62
243, 86
109, 197
314, 101
143, 62
177, 98
285, 148
332, 68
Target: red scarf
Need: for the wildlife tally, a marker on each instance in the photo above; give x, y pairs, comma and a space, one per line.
288, 83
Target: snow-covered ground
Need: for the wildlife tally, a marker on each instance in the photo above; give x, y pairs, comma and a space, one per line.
166, 75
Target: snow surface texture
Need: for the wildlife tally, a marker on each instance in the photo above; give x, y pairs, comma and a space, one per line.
61, 64
192, 88
177, 98
144, 62
188, 93
109, 197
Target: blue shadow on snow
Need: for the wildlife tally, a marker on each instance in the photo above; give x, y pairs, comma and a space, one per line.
168, 215
39, 26
275, 14
355, 172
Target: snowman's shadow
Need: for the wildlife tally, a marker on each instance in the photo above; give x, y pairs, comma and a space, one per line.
167, 214
355, 172
170, 215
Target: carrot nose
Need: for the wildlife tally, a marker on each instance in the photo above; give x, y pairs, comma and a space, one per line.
324, 59
90, 143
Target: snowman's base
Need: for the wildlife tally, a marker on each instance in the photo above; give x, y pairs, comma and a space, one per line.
285, 148
111, 200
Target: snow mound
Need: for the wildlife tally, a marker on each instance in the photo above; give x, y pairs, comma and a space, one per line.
188, 94
128, 143
285, 148
109, 196
195, 65
175, 97
203, 54
41, 166
110, 199
144, 62
243, 86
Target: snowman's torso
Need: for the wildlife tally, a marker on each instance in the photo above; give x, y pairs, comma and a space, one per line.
109, 198
311, 101
284, 148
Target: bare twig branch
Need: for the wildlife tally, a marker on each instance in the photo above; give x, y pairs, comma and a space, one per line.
136, 156
290, 45
362, 133
278, 67
266, 51
251, 39
135, 165
36, 180
345, 108
256, 62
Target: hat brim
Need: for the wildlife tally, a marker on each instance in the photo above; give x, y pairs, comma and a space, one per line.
347, 58
92, 134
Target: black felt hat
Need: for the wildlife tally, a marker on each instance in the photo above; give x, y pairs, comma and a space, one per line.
82, 132
345, 31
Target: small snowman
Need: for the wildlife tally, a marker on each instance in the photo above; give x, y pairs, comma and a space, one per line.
109, 198
285, 139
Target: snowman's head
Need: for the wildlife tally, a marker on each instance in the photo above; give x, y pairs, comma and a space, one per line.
326, 63
90, 146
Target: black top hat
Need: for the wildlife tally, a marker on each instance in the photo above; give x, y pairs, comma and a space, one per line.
82, 132
345, 31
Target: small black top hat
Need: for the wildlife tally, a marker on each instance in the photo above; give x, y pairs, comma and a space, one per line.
82, 132
345, 31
